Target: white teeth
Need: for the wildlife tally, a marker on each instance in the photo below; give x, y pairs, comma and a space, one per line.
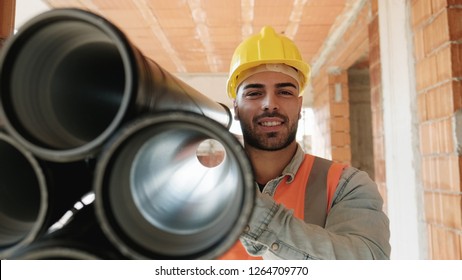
270, 123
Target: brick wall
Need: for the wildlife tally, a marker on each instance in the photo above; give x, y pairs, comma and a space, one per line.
339, 117
375, 73
331, 138
437, 29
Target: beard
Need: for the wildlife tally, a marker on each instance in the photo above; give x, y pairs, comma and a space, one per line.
269, 141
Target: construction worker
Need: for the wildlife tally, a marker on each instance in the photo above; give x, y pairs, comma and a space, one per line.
306, 207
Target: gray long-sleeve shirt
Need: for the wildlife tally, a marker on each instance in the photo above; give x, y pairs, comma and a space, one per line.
356, 226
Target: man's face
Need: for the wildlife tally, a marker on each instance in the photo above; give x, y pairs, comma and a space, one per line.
268, 106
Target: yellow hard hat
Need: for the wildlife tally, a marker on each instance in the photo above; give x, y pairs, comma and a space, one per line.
266, 47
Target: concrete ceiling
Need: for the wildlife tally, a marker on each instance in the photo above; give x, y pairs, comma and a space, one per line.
196, 38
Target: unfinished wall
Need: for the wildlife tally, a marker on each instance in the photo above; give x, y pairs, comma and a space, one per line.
332, 137
362, 155
437, 28
376, 102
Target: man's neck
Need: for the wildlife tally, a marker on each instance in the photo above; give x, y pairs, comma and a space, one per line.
268, 165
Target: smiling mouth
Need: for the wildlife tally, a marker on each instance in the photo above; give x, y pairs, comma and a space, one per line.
270, 124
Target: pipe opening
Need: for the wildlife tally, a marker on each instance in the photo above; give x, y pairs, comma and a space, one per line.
20, 195
75, 84
164, 202
173, 190
210, 153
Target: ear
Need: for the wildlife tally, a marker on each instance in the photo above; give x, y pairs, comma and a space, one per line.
236, 111
300, 106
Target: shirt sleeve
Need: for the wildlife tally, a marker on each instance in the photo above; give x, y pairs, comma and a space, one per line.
356, 226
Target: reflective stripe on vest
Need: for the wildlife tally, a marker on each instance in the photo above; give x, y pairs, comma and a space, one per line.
311, 202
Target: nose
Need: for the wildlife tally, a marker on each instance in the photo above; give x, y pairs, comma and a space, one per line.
270, 103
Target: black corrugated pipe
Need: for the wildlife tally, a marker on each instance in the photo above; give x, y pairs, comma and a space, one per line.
34, 194
156, 199
69, 78
80, 238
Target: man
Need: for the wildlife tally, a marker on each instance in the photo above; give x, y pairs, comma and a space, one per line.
306, 207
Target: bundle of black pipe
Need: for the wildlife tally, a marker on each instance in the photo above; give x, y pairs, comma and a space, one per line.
70, 78
80, 238
156, 200
34, 194
85, 111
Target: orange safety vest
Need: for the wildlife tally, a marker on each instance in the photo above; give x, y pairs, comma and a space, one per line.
311, 190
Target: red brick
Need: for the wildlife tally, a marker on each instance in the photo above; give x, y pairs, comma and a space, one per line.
433, 137
438, 5
430, 215
430, 239
440, 102
380, 176
376, 98
443, 250
374, 7
457, 94
444, 64
375, 75
437, 137
422, 107
460, 243
444, 134
456, 60
436, 32
377, 123
373, 29
428, 176
419, 44
433, 70
426, 173
447, 173
426, 147
451, 210
379, 151
421, 12
460, 172
431, 106
340, 78
341, 154
437, 244
426, 73
455, 23
374, 52
452, 245
340, 124
419, 76
340, 139
340, 109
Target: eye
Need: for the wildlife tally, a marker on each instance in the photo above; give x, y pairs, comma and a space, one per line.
286, 92
253, 94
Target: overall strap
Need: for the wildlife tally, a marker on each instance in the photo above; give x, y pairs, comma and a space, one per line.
320, 189
316, 193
